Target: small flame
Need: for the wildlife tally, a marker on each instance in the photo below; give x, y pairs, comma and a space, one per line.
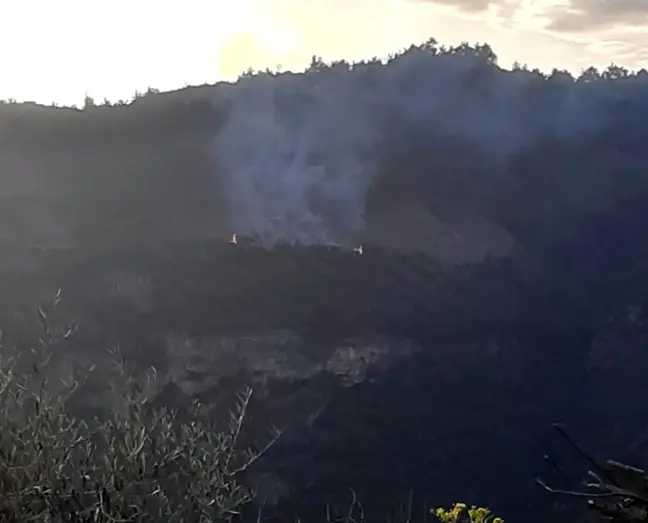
234, 241
359, 250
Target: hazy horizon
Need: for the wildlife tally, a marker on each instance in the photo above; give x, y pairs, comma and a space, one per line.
113, 50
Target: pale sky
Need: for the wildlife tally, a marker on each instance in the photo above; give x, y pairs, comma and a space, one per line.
59, 50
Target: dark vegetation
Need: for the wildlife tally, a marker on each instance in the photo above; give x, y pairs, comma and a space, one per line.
125, 209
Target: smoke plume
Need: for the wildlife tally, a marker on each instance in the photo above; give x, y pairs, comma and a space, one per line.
299, 154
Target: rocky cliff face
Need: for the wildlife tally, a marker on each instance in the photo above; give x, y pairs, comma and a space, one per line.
277, 356
294, 381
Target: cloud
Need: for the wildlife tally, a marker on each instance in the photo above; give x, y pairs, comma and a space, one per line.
606, 30
588, 15
472, 6
468, 5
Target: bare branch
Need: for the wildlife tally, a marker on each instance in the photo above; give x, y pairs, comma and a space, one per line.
611, 494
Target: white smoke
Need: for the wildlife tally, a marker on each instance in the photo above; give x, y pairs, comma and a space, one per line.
298, 153
297, 164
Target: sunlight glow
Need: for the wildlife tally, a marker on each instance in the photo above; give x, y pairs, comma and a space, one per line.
59, 51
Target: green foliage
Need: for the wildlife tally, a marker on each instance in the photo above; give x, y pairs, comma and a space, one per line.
136, 464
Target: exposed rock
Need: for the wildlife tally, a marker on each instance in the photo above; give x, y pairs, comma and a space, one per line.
276, 356
293, 379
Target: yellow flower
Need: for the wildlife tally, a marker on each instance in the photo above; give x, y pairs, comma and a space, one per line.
475, 515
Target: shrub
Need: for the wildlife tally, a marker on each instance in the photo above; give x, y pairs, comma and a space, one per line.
136, 464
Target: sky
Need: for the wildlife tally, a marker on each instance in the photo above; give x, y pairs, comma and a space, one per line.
59, 51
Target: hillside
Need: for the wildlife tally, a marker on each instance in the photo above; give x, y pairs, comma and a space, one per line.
501, 215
